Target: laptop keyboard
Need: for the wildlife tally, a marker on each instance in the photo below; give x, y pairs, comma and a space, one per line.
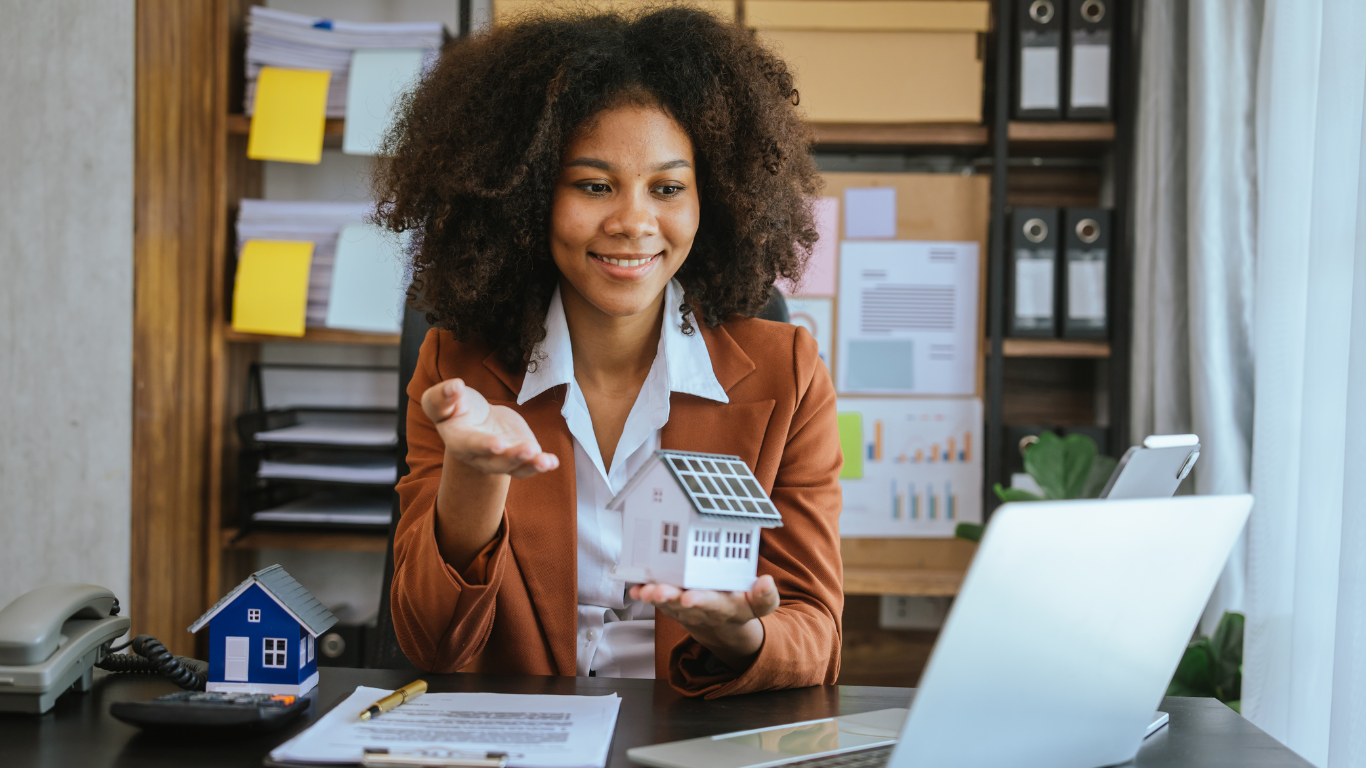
868, 758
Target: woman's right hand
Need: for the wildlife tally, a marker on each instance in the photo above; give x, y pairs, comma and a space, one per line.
492, 439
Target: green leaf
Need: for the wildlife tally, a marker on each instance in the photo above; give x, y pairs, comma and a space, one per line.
1015, 494
969, 531
1044, 462
1101, 469
1227, 654
1194, 671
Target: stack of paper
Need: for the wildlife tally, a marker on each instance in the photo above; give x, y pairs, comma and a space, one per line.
297, 41
363, 430
318, 223
330, 509
535, 731
333, 468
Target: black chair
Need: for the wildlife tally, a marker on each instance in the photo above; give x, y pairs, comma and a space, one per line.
384, 652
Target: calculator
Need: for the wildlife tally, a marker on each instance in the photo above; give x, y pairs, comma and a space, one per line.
199, 709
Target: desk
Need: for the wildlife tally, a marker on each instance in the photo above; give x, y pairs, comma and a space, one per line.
80, 732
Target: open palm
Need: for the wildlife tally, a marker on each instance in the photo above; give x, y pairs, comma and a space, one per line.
490, 438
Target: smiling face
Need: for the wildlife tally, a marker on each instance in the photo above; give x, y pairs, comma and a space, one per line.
625, 210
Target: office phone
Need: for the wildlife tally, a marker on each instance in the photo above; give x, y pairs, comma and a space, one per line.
52, 638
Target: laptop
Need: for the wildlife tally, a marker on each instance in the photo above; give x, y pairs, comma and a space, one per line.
1057, 651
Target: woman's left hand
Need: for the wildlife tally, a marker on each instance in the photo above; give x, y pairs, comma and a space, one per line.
726, 623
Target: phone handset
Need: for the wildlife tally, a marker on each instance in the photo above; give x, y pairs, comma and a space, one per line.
51, 639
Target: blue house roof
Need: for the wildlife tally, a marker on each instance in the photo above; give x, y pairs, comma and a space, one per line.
282, 588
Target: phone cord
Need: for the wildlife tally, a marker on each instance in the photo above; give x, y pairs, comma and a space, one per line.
151, 657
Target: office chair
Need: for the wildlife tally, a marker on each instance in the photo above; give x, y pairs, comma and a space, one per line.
384, 652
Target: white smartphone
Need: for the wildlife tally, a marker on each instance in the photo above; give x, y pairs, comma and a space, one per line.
1154, 469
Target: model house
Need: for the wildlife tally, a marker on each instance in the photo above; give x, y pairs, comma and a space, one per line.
263, 636
693, 520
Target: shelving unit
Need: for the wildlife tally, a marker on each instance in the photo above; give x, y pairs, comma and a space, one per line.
314, 336
328, 541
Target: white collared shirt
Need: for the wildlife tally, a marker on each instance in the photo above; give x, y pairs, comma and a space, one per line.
615, 633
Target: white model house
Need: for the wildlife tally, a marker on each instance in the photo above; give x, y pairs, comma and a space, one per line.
692, 520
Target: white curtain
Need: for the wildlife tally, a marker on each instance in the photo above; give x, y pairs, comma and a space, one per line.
1304, 679
1250, 278
1194, 253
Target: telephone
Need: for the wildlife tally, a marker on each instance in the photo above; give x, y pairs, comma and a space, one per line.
51, 639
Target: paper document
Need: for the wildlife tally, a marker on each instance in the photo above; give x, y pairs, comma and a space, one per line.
340, 469
367, 280
536, 731
379, 78
918, 465
332, 509
379, 429
271, 291
290, 115
870, 212
908, 314
816, 316
819, 279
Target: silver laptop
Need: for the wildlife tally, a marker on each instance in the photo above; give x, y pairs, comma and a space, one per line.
1057, 652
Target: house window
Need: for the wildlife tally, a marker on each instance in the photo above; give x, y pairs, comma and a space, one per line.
310, 647
669, 543
737, 545
254, 615
273, 652
705, 542
659, 495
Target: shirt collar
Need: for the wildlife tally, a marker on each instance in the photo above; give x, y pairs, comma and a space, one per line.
685, 357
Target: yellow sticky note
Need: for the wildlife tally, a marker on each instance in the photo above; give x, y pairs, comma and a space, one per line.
271, 292
851, 443
290, 114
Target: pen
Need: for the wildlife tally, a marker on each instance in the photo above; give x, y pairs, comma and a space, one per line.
402, 696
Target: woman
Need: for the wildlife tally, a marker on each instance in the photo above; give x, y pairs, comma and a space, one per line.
596, 203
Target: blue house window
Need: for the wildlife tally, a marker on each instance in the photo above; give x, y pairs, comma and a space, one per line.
273, 652
254, 615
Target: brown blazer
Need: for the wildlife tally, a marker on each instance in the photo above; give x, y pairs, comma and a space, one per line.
514, 609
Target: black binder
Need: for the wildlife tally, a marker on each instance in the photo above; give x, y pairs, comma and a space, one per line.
1090, 25
1085, 277
1032, 271
1038, 59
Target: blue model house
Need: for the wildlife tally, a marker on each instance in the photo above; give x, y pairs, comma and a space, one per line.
262, 636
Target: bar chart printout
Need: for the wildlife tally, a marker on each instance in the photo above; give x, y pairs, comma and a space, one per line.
919, 466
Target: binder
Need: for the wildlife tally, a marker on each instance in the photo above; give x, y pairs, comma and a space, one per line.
1032, 273
1038, 60
1085, 278
1090, 25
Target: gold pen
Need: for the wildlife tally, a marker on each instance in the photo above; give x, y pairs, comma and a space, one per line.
402, 696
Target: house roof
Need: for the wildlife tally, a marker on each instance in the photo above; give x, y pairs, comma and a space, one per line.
720, 487
283, 589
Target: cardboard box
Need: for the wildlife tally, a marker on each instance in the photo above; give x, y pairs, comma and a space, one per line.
879, 61
504, 9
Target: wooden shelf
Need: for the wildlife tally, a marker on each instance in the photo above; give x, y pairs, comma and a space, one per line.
317, 336
241, 125
906, 134
879, 134
329, 541
1073, 131
1055, 348
914, 567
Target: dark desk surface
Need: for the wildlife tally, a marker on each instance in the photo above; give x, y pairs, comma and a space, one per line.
79, 731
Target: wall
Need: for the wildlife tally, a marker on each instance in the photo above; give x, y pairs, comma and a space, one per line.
66, 298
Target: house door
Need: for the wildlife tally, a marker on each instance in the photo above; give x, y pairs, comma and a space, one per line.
235, 664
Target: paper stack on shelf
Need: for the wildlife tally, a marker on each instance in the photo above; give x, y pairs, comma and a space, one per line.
333, 468
330, 509
318, 222
298, 41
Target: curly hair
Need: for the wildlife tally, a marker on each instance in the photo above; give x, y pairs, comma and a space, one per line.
470, 165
